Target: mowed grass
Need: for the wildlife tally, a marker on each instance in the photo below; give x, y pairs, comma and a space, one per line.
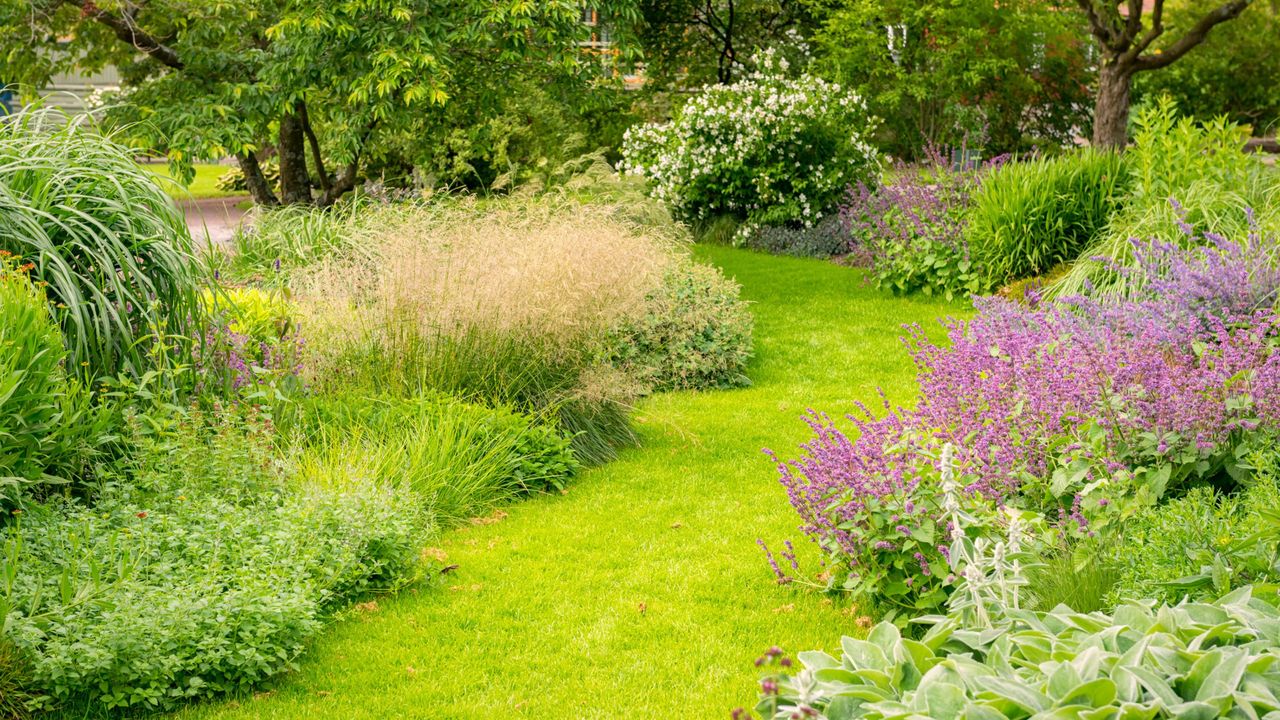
203, 185
642, 592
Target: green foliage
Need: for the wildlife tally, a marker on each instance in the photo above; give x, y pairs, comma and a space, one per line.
461, 459
1029, 216
48, 429
1203, 544
15, 682
1220, 78
369, 78
107, 243
1180, 172
1206, 660
281, 240
1078, 574
1007, 77
201, 570
694, 334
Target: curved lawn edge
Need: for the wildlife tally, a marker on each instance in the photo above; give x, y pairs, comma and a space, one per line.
642, 592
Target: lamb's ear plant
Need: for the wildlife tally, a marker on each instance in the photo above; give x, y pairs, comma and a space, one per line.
109, 244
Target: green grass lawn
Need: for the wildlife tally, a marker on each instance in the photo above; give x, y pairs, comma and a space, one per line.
204, 185
641, 593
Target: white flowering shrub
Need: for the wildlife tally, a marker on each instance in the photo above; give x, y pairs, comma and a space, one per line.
769, 149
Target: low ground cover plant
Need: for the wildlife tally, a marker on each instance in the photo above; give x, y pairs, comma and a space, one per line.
770, 149
202, 568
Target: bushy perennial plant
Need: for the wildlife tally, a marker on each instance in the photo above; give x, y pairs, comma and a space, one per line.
1081, 408
200, 570
910, 232
769, 148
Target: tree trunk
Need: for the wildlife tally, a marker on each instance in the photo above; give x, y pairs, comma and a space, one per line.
1111, 113
295, 183
256, 183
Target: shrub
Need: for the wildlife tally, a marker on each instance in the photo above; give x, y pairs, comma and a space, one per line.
910, 232
768, 148
1219, 191
825, 238
1029, 216
201, 571
1188, 660
694, 334
48, 429
1085, 407
108, 242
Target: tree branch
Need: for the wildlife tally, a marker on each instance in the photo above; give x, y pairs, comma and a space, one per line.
1156, 30
1104, 31
1194, 36
127, 30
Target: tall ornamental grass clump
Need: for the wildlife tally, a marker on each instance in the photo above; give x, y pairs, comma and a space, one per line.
1030, 216
1083, 409
910, 231
49, 431
770, 149
110, 247
505, 304
1218, 188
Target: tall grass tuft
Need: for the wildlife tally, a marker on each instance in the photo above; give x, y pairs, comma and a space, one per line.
1182, 173
271, 243
111, 246
504, 303
1030, 216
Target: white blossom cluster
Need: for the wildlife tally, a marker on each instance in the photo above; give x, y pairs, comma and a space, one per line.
767, 147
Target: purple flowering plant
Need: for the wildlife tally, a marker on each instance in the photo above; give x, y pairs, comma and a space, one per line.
1083, 409
909, 233
251, 348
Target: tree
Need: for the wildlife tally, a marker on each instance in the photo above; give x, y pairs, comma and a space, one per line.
323, 85
1127, 34
694, 42
1226, 75
1006, 75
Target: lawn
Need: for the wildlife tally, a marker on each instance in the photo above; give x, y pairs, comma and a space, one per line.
204, 185
641, 592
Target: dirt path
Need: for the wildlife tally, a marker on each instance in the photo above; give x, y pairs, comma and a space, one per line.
214, 220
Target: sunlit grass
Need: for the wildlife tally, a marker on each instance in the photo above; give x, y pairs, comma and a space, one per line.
641, 593
204, 185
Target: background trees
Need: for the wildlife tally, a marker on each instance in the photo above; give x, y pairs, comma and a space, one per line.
332, 88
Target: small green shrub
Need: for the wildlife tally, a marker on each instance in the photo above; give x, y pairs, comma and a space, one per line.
252, 346
275, 242
103, 235
1029, 216
695, 333
451, 441
48, 429
202, 569
1191, 660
